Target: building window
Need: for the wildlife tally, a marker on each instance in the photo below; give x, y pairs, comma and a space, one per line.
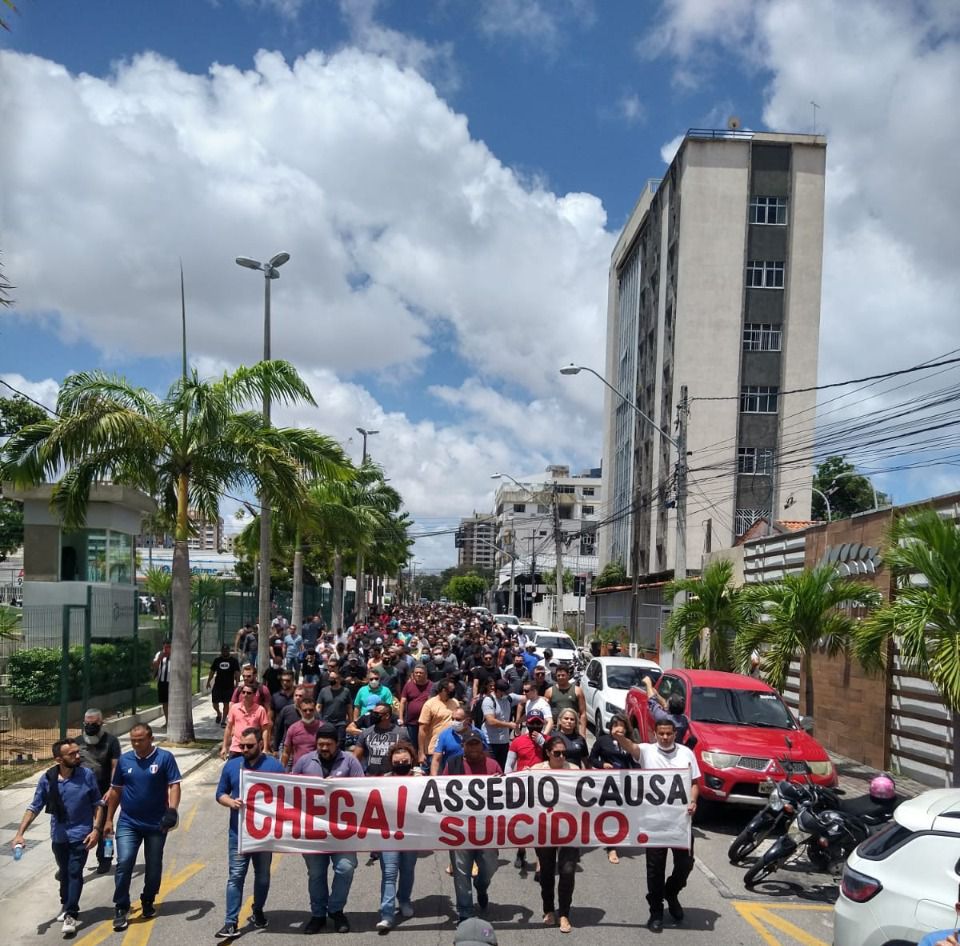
542, 508
745, 518
587, 511
755, 461
758, 399
588, 491
566, 489
768, 210
760, 336
519, 507
588, 543
765, 274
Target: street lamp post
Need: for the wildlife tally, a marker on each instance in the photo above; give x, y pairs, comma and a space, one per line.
361, 603
270, 270
680, 550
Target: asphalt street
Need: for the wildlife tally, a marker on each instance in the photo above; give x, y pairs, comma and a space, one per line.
609, 900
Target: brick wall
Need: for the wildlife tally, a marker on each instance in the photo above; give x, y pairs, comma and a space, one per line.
851, 707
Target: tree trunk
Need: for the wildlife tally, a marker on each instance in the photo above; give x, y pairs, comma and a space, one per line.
336, 606
360, 595
808, 683
296, 605
180, 721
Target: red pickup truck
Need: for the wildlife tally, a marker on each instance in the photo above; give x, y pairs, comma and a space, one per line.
743, 734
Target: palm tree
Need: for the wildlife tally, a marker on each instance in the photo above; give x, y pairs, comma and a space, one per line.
793, 616
924, 616
185, 449
708, 621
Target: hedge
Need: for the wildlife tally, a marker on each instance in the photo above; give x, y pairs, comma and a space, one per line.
35, 671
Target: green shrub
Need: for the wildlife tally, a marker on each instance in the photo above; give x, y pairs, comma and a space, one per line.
35, 671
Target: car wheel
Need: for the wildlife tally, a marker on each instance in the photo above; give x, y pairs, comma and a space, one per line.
598, 723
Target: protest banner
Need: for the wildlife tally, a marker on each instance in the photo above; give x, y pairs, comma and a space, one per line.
549, 808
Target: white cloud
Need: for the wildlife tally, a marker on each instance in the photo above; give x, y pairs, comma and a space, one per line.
669, 149
534, 21
40, 392
632, 109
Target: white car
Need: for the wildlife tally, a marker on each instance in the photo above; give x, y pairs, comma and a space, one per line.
481, 612
606, 682
562, 645
511, 620
902, 883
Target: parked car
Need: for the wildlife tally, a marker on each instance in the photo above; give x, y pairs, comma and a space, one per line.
744, 735
481, 612
902, 883
511, 620
607, 681
562, 645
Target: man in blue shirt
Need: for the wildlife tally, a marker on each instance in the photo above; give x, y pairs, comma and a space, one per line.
69, 792
228, 794
146, 787
450, 742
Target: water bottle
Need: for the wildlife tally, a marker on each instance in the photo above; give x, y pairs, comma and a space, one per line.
17, 852
108, 849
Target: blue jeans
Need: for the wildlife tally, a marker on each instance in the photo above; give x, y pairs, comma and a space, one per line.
323, 899
237, 866
71, 858
128, 840
462, 862
394, 865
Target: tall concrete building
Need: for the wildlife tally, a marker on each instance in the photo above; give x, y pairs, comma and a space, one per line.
714, 285
475, 541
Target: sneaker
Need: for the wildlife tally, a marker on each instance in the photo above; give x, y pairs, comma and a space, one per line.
219, 717
340, 922
676, 911
520, 861
223, 724
406, 910
655, 924
314, 925
120, 920
384, 927
69, 927
62, 915
259, 919
227, 931
147, 909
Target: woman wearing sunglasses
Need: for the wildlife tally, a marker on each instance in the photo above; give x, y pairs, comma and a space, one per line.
556, 861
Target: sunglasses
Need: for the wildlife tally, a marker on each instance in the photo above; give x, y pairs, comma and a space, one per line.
558, 752
249, 745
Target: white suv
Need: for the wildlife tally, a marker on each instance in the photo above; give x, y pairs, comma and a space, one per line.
903, 882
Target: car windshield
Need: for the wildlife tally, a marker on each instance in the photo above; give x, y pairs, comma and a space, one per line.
624, 677
554, 642
740, 708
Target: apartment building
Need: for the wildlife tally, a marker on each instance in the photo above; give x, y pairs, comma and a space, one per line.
476, 541
714, 286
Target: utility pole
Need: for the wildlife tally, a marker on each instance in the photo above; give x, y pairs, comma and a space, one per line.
533, 570
513, 567
680, 562
558, 553
360, 604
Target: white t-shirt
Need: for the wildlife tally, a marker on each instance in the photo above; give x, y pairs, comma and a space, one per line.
679, 757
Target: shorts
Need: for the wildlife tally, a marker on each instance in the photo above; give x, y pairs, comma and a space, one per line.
163, 691
221, 696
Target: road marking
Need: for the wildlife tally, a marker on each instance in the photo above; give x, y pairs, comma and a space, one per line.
191, 816
761, 916
246, 914
139, 934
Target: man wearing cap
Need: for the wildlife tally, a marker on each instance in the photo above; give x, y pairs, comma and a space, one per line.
472, 869
526, 751
530, 658
450, 741
253, 758
328, 762
475, 932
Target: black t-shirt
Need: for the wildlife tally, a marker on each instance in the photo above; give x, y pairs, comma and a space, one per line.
376, 743
224, 670
483, 674
98, 758
334, 704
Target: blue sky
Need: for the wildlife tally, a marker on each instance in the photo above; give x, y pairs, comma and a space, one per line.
449, 178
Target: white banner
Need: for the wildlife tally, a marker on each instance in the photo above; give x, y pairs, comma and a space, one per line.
566, 808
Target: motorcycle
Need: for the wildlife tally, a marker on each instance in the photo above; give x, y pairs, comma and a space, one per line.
775, 819
832, 835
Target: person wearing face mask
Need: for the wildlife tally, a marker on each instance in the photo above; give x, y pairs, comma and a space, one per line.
450, 741
301, 737
376, 740
435, 716
99, 752
397, 867
69, 793
526, 751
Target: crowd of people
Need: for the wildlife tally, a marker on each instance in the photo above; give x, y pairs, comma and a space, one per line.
410, 692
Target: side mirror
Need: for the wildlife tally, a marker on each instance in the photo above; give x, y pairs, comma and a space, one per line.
593, 683
806, 723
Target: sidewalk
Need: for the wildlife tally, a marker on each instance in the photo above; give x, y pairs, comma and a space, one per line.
37, 855
854, 778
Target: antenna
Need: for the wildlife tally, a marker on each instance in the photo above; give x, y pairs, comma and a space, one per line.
734, 123
815, 107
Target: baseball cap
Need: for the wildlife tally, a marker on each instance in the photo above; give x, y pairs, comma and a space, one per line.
327, 731
475, 932
472, 736
535, 714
